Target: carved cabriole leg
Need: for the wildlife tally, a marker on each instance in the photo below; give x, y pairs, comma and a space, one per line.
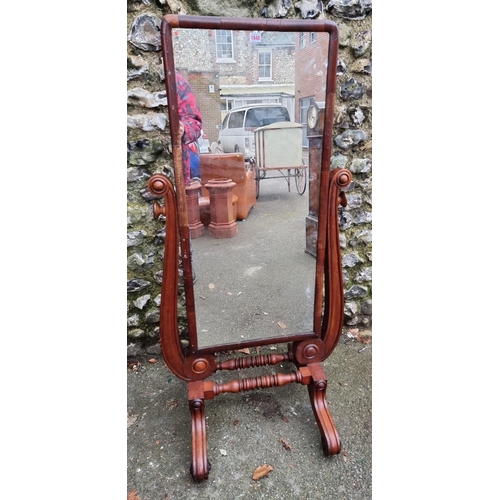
317, 395
200, 465
309, 352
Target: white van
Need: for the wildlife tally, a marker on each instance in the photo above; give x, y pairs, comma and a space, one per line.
236, 132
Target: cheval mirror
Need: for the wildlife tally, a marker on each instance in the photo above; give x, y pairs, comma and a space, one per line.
290, 276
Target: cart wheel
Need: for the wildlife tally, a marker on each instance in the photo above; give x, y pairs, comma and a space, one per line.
300, 180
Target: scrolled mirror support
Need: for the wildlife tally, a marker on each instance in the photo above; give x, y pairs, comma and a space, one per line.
333, 317
160, 185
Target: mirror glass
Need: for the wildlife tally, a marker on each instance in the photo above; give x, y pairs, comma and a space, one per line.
259, 283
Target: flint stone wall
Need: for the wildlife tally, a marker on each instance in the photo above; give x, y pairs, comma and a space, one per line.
149, 148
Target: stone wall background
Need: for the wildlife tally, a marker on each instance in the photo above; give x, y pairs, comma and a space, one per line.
149, 148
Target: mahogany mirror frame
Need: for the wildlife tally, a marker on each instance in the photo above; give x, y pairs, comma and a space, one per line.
306, 349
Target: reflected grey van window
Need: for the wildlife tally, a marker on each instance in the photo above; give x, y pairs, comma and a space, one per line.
258, 117
252, 120
236, 119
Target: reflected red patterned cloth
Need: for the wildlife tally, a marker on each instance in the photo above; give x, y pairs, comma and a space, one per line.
190, 116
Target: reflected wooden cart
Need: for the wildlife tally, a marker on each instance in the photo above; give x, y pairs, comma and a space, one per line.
278, 154
305, 350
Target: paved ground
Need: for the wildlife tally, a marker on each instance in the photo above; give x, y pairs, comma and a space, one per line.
273, 427
247, 430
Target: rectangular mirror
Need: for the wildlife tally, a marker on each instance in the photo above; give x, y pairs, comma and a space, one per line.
255, 81
246, 80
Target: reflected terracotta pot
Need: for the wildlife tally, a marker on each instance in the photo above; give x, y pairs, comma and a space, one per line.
222, 222
196, 228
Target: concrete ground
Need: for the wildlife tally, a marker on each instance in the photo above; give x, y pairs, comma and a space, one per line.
275, 426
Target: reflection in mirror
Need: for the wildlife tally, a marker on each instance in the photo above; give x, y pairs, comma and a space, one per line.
253, 89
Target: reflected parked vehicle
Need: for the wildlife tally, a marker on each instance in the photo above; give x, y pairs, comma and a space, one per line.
236, 134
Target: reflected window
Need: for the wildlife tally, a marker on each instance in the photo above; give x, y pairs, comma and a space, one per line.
265, 65
252, 120
224, 45
313, 36
236, 119
302, 41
